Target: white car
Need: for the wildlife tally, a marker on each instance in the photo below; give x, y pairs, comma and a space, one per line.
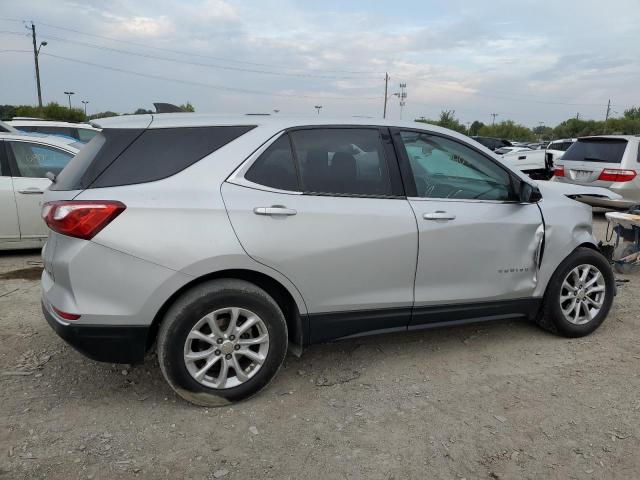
504, 150
82, 132
25, 160
556, 148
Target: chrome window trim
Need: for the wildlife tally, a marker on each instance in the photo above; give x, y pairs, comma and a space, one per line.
466, 200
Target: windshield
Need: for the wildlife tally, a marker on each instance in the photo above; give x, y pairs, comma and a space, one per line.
604, 150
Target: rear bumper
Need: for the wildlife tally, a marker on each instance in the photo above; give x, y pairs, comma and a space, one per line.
104, 343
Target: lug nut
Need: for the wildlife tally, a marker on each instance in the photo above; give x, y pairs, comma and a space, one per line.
219, 340
232, 337
228, 356
236, 347
217, 352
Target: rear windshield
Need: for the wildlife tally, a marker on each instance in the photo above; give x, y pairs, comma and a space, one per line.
128, 156
604, 150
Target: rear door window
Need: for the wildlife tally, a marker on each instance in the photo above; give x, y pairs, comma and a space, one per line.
602, 150
342, 161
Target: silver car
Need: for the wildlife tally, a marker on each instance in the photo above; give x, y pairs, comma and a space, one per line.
226, 241
609, 161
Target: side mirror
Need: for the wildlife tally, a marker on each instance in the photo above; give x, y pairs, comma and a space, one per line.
529, 193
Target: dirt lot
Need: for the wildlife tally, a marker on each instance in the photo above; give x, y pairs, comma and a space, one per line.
500, 400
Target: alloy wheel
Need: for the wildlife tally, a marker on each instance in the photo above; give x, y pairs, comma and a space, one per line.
582, 294
226, 348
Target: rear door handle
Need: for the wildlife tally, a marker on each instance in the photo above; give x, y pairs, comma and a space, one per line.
31, 191
276, 210
439, 215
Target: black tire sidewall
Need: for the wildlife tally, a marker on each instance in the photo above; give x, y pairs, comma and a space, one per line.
581, 256
185, 317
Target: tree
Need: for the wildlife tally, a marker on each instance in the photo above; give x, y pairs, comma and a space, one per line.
632, 113
508, 129
475, 127
51, 111
102, 115
447, 120
187, 107
140, 111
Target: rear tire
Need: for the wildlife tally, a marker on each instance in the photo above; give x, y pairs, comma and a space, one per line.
199, 355
574, 306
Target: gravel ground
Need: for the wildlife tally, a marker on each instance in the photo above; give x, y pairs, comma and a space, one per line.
499, 400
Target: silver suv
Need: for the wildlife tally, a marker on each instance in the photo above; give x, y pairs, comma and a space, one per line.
610, 161
225, 241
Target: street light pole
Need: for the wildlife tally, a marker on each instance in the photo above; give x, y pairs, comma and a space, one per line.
318, 107
69, 95
85, 106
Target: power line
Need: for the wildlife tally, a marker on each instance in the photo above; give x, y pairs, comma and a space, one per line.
184, 52
207, 85
198, 64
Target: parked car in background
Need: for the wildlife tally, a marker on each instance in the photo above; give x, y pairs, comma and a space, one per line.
227, 240
6, 128
25, 160
82, 132
513, 149
610, 161
492, 143
556, 148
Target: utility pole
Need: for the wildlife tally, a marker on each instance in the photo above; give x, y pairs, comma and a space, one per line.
85, 106
402, 96
69, 95
606, 117
386, 88
318, 107
578, 116
36, 52
540, 124
493, 118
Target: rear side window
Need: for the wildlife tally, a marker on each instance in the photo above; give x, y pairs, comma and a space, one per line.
341, 161
275, 168
117, 157
604, 150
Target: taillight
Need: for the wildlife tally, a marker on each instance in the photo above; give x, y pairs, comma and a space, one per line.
65, 315
558, 171
82, 218
616, 175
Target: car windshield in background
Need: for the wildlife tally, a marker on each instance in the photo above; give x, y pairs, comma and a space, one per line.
605, 150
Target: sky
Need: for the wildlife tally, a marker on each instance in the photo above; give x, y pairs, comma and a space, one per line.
530, 61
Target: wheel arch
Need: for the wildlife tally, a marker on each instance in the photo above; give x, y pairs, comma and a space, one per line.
296, 325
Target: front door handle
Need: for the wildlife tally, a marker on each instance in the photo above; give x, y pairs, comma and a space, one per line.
439, 215
276, 210
31, 191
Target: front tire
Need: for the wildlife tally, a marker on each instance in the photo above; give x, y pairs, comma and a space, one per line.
221, 342
579, 294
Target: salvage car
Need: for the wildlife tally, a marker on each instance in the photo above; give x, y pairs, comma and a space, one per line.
25, 160
609, 161
226, 241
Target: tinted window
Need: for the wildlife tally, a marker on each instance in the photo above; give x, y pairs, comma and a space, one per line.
444, 168
128, 156
275, 167
34, 160
85, 135
94, 157
341, 161
606, 150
